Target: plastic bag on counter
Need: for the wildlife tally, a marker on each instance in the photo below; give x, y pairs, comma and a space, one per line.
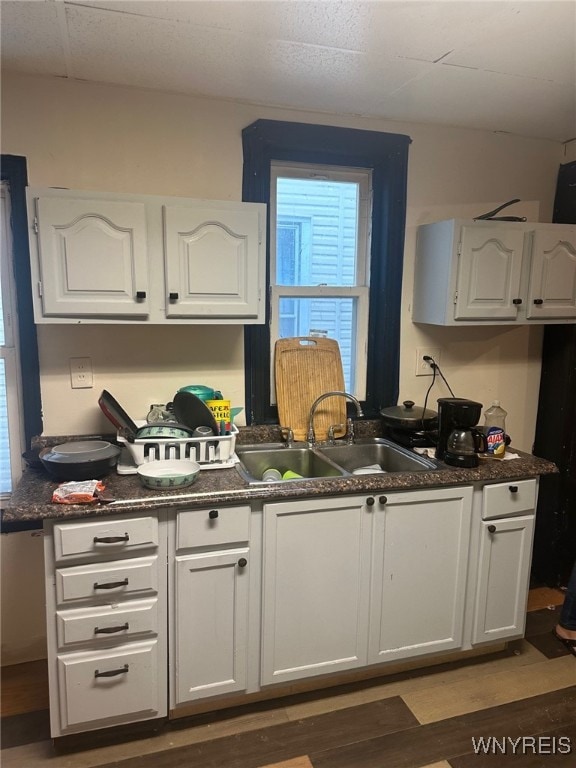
78, 492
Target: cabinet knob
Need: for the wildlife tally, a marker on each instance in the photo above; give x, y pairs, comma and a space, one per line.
492, 529
140, 295
516, 301
513, 488
383, 499
370, 501
242, 563
213, 514
538, 301
173, 296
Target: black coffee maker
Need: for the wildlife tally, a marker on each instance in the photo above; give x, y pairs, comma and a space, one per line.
458, 441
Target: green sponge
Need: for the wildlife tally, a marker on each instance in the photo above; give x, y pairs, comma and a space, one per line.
290, 475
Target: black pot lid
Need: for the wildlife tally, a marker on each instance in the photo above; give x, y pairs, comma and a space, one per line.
409, 416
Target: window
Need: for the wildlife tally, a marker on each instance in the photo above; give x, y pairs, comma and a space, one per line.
359, 301
20, 413
11, 425
319, 264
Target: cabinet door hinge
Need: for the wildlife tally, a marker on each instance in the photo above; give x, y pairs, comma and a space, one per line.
455, 297
35, 225
459, 249
39, 289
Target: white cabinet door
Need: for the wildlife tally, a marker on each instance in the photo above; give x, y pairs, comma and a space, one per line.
214, 260
503, 578
316, 587
552, 291
93, 257
420, 555
211, 624
489, 268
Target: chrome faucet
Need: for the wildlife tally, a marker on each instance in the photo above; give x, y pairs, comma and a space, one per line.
316, 403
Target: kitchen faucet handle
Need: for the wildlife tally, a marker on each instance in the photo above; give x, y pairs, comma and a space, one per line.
288, 435
349, 431
332, 429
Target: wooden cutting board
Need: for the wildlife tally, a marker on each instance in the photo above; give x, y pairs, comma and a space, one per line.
306, 367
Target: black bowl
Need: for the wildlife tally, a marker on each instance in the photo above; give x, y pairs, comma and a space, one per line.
65, 462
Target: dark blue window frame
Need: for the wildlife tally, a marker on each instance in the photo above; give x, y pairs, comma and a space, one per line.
13, 170
386, 154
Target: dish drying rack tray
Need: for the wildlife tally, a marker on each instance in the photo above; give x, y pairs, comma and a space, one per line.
214, 452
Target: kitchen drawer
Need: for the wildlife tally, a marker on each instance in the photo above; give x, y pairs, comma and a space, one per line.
516, 497
116, 685
104, 537
113, 622
213, 526
101, 581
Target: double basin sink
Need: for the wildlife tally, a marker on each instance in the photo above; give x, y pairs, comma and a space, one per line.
365, 456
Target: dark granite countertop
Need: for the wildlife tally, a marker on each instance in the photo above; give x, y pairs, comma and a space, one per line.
31, 499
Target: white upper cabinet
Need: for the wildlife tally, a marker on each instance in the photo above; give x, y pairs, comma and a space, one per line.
486, 272
92, 257
552, 290
109, 258
212, 267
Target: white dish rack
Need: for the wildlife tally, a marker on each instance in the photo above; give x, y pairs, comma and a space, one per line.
212, 452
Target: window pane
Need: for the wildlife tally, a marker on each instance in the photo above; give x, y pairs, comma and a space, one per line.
334, 318
317, 232
5, 473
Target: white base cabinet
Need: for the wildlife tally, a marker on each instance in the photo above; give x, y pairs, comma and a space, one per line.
316, 585
264, 595
419, 570
106, 603
505, 550
211, 630
209, 576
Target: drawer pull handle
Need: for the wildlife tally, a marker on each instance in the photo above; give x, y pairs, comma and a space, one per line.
513, 488
491, 529
538, 301
173, 296
242, 562
111, 584
213, 514
111, 539
110, 630
112, 672
140, 295
516, 301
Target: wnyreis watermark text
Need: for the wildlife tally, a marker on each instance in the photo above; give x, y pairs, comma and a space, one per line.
522, 745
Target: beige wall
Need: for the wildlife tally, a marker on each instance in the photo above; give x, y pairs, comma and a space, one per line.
95, 137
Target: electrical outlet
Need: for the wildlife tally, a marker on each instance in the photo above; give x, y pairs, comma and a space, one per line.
81, 373
423, 368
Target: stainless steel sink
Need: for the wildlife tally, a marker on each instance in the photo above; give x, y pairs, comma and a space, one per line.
256, 459
376, 453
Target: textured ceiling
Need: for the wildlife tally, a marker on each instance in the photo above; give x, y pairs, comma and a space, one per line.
500, 66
